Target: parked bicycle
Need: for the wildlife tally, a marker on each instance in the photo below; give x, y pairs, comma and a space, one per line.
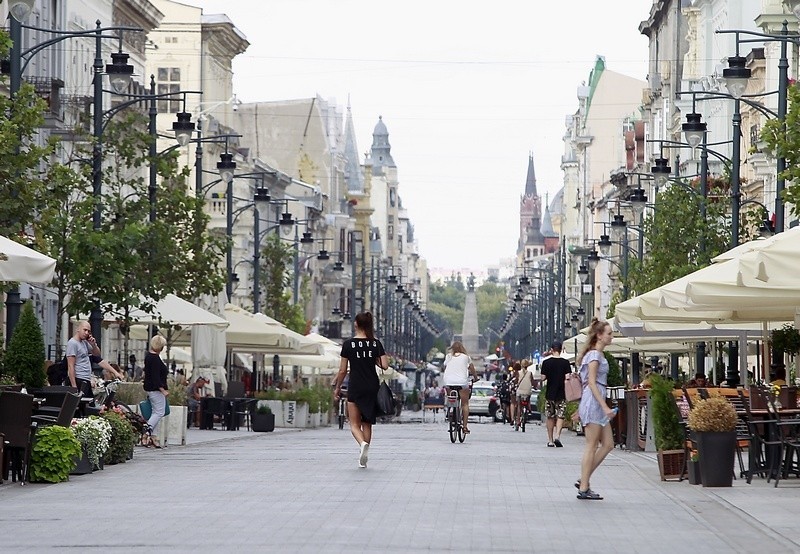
454, 416
105, 400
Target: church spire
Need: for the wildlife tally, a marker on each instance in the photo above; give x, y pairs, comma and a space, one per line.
530, 181
352, 170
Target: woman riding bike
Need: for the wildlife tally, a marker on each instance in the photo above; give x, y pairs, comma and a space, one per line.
457, 370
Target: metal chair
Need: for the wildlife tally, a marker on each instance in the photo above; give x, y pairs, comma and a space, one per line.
242, 408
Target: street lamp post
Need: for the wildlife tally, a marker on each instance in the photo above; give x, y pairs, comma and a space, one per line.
736, 76
120, 72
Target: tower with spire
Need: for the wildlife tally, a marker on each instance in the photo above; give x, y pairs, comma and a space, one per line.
536, 235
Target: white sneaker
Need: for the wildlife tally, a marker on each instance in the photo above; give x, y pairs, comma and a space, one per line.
362, 459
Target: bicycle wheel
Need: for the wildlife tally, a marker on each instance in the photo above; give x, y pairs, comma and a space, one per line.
461, 434
452, 429
341, 415
524, 418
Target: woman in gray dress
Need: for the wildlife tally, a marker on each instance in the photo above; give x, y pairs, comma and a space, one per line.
593, 410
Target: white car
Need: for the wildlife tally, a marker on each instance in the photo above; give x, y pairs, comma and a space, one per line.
483, 401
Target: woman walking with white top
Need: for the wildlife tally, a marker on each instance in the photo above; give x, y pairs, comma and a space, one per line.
593, 410
457, 370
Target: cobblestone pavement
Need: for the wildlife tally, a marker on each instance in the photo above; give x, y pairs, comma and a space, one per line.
301, 491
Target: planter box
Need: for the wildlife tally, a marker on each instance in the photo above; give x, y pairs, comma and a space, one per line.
82, 466
670, 464
694, 473
717, 455
262, 423
176, 426
277, 411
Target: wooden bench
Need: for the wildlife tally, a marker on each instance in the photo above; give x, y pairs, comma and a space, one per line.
433, 407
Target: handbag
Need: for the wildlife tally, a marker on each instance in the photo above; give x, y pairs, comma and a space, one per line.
385, 400
146, 408
573, 387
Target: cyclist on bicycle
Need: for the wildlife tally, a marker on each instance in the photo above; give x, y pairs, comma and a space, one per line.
457, 370
524, 388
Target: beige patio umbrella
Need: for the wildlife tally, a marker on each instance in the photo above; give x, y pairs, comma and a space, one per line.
765, 282
20, 263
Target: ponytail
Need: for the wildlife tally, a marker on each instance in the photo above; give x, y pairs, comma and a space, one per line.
365, 323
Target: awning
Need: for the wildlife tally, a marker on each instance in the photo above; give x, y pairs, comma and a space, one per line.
20, 263
175, 312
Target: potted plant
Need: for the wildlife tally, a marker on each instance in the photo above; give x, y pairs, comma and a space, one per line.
667, 428
94, 434
261, 418
122, 438
54, 454
713, 422
272, 398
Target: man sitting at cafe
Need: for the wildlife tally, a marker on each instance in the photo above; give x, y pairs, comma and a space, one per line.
698, 381
194, 393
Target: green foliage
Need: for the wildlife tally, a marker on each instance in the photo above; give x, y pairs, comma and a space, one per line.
267, 395
263, 409
446, 302
786, 339
122, 440
277, 259
570, 410
22, 182
177, 392
25, 356
128, 262
666, 426
679, 240
491, 300
53, 455
614, 371
130, 393
541, 401
784, 140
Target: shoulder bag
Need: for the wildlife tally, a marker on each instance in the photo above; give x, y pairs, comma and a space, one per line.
573, 387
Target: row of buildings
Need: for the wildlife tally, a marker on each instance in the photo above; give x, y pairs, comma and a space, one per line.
625, 130
303, 151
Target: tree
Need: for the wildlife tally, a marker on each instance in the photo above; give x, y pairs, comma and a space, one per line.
129, 262
491, 299
25, 355
783, 138
276, 259
678, 239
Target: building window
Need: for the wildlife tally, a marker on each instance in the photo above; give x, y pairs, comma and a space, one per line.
391, 232
169, 81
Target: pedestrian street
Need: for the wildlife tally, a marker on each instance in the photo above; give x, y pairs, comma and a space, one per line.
302, 491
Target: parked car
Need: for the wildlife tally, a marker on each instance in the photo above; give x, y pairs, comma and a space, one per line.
483, 401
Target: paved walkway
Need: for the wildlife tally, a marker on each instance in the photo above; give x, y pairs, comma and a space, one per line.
301, 491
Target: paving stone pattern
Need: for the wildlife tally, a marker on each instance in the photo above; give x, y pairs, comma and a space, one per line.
302, 491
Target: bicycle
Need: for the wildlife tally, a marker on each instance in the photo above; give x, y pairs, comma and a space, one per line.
523, 411
342, 407
454, 415
105, 400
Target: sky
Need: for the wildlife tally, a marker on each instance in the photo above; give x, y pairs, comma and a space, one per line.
467, 91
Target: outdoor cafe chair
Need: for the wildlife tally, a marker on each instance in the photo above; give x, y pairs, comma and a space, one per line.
65, 414
16, 411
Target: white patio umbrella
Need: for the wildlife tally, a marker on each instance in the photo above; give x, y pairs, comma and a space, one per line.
20, 263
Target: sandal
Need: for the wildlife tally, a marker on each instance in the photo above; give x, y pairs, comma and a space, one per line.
466, 431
